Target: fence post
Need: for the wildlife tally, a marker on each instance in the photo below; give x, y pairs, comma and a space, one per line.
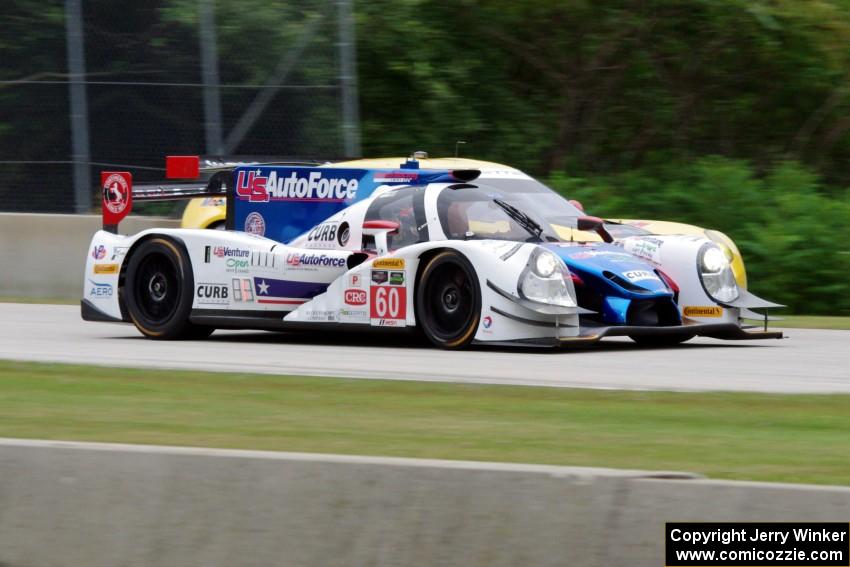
209, 73
80, 151
348, 80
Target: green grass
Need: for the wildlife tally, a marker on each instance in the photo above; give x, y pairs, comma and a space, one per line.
44, 300
812, 322
793, 438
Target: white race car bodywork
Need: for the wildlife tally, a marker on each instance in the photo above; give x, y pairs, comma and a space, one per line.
242, 280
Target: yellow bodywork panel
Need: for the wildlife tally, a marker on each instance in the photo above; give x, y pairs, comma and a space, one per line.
424, 163
204, 212
484, 227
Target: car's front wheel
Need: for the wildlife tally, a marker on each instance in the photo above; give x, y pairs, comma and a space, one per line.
448, 300
158, 291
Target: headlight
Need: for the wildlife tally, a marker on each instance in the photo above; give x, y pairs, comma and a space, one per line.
545, 264
713, 260
716, 274
726, 245
547, 280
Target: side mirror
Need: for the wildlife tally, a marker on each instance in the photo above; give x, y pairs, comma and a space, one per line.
595, 224
380, 229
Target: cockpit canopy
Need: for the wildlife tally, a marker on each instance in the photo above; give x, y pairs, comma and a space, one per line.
522, 210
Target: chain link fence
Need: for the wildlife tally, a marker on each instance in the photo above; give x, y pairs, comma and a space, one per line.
98, 84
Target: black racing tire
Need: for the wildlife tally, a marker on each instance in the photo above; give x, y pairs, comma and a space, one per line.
660, 340
158, 291
448, 300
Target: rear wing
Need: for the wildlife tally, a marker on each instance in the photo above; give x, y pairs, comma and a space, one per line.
118, 193
201, 177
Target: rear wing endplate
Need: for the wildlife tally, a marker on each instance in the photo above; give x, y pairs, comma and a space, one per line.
118, 193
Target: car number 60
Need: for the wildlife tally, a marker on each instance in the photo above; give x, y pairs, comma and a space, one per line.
388, 302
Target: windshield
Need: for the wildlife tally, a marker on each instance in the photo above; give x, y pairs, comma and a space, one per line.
507, 209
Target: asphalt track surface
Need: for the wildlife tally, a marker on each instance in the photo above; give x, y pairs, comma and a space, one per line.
814, 361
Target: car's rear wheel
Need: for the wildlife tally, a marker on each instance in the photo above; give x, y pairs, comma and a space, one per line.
448, 300
158, 291
660, 340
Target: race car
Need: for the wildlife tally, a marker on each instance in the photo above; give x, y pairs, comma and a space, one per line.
211, 212
205, 212
463, 256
